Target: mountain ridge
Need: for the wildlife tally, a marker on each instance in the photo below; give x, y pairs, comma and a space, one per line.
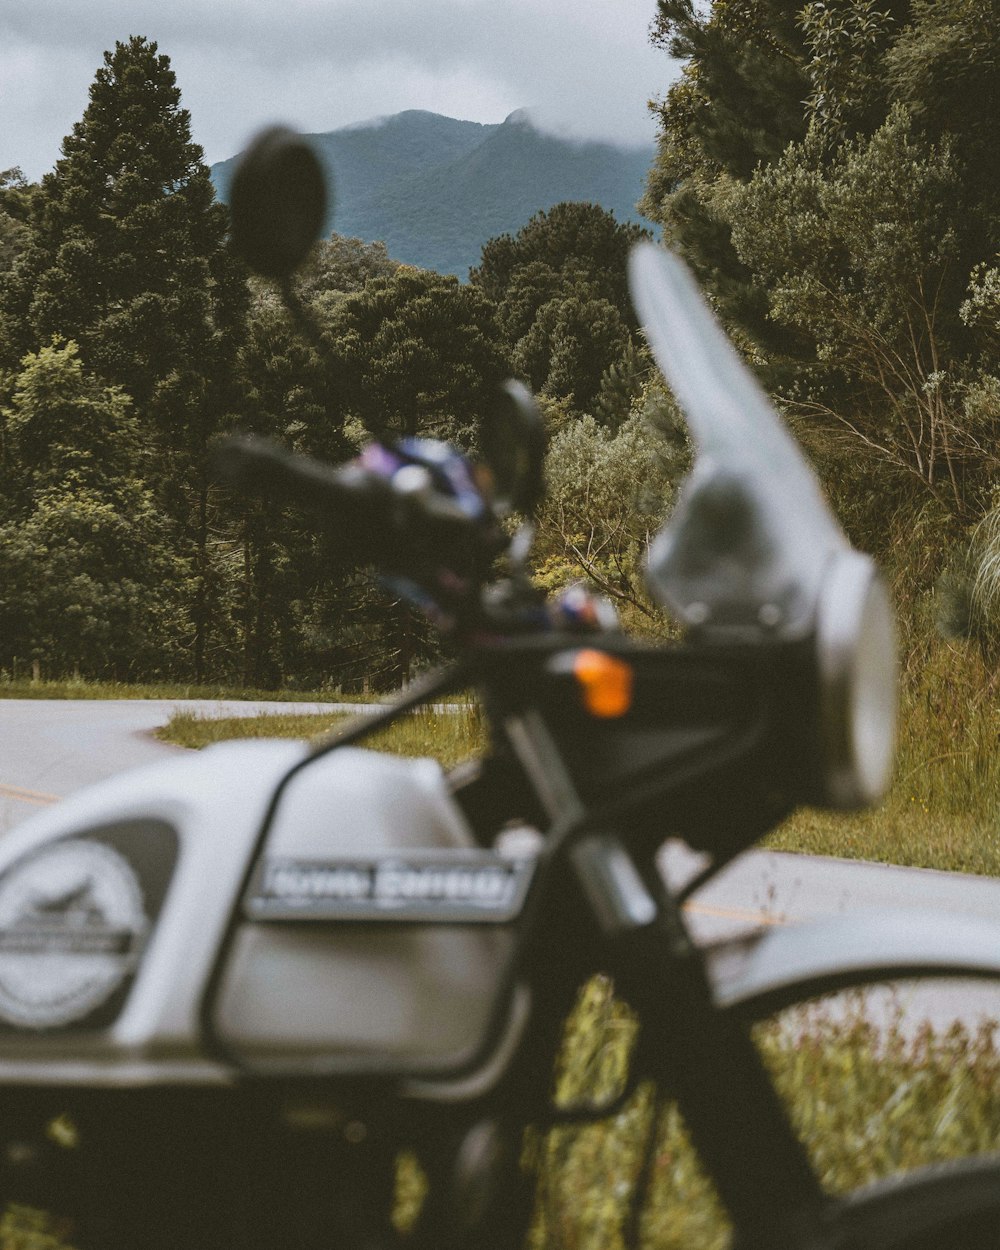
435, 188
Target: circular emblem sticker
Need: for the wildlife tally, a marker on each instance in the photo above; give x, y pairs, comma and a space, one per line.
72, 921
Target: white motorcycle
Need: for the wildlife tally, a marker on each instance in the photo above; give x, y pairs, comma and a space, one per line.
244, 982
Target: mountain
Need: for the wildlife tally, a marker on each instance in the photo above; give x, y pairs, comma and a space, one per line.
435, 189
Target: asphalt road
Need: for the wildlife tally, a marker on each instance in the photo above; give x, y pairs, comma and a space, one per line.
49, 748
776, 888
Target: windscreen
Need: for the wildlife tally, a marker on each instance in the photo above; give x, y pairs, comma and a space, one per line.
745, 549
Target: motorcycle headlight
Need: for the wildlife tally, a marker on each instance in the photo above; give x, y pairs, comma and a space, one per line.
856, 659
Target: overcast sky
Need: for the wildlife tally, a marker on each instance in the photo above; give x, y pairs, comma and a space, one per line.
582, 67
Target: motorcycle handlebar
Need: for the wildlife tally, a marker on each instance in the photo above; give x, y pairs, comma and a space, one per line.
385, 520
256, 466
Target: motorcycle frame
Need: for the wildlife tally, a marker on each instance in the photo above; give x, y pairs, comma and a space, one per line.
599, 904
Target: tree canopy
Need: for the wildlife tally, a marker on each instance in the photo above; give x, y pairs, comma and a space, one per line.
850, 247
840, 245
87, 568
419, 355
126, 252
562, 304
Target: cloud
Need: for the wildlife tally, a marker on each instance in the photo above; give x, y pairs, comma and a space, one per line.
583, 67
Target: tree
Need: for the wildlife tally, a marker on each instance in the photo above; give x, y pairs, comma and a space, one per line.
292, 392
416, 354
943, 66
529, 287
864, 256
570, 345
62, 423
606, 495
126, 256
842, 257
737, 103
847, 42
87, 579
561, 295
420, 356
127, 251
340, 265
580, 243
622, 385
15, 199
756, 73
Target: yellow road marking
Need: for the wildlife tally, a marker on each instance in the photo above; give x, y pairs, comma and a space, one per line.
23, 795
734, 913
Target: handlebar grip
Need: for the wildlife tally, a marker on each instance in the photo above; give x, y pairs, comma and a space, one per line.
381, 520
259, 467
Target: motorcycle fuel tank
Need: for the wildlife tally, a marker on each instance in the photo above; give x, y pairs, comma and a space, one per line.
147, 936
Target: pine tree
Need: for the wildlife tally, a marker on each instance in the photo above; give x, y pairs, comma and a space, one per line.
418, 354
572, 244
563, 310
126, 256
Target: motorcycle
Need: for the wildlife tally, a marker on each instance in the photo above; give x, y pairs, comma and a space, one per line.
234, 988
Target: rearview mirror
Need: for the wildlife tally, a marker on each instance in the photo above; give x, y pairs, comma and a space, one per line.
277, 202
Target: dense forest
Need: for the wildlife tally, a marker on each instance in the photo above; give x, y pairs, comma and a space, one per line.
830, 172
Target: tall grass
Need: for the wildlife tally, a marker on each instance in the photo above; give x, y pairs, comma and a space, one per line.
943, 810
29, 1228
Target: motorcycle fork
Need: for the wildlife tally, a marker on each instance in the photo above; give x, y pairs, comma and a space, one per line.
701, 1057
696, 1053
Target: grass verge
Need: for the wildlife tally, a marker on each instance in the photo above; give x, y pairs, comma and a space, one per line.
898, 832
449, 736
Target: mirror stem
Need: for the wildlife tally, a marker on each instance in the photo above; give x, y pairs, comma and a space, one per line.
302, 318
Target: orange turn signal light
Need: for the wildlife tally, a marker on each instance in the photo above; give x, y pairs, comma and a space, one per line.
605, 683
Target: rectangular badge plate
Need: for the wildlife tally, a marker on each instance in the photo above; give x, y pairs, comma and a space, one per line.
418, 887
